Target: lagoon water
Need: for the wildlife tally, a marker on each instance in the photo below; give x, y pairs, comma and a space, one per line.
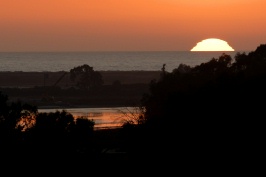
103, 117
104, 61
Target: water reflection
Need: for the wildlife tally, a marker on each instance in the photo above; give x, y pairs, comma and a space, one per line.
103, 117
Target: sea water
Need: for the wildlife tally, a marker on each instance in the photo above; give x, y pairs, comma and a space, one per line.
104, 61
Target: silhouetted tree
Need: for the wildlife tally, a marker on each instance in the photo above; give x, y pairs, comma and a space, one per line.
163, 71
214, 109
82, 135
3, 106
51, 133
60, 135
86, 77
15, 118
182, 68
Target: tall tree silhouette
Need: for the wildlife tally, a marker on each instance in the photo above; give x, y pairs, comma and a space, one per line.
86, 77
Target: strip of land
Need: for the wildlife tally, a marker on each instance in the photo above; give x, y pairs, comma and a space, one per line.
33, 79
55, 89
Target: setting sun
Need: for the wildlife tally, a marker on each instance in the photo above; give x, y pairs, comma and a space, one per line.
212, 44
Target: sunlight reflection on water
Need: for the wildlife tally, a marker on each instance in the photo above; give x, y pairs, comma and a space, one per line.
103, 117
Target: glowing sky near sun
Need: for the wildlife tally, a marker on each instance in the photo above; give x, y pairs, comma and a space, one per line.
104, 25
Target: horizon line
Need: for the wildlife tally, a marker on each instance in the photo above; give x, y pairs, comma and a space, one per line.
65, 51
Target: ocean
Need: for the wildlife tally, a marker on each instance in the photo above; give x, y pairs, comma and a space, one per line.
104, 61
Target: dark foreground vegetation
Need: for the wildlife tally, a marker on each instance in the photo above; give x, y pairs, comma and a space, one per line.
211, 115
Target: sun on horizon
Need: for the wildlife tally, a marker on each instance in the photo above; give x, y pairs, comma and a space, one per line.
212, 44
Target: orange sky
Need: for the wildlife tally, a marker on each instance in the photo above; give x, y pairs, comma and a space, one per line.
129, 25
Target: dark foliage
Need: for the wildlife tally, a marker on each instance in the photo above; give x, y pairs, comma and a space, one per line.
25, 133
213, 112
86, 77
